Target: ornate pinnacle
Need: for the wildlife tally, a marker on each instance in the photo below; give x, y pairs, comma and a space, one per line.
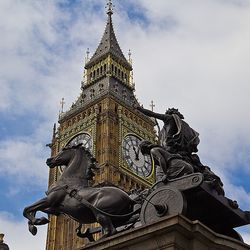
62, 102
87, 56
109, 7
129, 57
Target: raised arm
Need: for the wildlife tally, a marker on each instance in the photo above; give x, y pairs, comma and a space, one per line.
151, 113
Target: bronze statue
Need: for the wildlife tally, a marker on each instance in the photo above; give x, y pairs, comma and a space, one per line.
188, 188
3, 246
176, 135
178, 138
172, 165
72, 195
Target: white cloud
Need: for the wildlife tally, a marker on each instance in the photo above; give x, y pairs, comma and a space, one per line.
17, 235
193, 55
23, 161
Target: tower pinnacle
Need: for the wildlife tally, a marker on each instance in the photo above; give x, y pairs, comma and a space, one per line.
109, 44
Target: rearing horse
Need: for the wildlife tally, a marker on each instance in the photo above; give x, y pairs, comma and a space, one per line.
73, 196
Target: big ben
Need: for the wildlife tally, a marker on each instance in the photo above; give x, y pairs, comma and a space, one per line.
105, 121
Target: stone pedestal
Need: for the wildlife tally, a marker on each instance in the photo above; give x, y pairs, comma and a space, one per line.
170, 233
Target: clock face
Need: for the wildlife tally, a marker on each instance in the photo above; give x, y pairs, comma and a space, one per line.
140, 164
83, 138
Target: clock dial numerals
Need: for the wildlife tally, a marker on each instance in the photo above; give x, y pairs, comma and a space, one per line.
138, 163
83, 138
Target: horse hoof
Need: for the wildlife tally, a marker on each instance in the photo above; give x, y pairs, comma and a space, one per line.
33, 229
42, 221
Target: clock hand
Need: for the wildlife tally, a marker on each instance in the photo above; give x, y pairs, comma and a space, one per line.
136, 153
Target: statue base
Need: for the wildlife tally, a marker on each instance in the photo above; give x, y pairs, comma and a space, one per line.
172, 233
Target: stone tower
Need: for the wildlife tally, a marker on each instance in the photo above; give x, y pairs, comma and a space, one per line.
103, 118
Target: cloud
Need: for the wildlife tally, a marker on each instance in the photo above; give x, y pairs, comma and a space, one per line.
197, 63
22, 160
17, 235
190, 55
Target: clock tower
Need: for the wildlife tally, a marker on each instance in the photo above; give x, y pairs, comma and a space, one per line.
105, 121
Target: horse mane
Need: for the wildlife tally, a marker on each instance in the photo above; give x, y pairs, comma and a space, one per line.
88, 154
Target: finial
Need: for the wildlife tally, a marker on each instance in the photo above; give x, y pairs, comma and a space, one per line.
129, 57
62, 102
152, 105
87, 55
109, 7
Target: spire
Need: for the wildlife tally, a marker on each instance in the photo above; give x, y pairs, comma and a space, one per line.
109, 43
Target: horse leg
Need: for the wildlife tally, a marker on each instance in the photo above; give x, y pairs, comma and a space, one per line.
30, 212
106, 224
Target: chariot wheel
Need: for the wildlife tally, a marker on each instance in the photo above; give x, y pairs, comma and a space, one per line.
161, 202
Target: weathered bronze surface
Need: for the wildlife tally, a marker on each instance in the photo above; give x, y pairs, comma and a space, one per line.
3, 246
71, 195
188, 188
176, 152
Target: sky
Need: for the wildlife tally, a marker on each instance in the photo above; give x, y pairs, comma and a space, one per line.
192, 55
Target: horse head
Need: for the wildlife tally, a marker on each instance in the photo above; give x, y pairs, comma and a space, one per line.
77, 160
62, 158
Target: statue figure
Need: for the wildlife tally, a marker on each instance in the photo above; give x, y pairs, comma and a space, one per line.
177, 137
172, 165
3, 246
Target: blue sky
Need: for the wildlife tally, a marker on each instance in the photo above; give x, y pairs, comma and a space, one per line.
193, 55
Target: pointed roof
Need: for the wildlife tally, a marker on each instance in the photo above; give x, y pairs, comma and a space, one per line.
108, 44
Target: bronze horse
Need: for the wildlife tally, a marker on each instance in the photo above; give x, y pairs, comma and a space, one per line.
72, 195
